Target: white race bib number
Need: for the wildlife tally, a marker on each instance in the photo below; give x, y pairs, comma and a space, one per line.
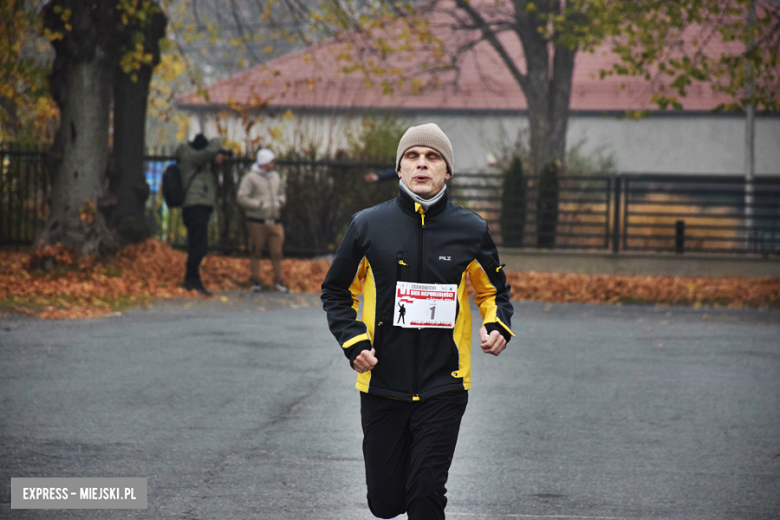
425, 305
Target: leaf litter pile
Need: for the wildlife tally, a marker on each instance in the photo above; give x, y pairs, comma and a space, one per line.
140, 273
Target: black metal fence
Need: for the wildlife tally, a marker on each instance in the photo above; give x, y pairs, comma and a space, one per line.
639, 212
691, 213
581, 219
701, 213
25, 191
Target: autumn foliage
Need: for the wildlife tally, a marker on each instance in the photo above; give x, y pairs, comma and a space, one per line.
138, 274
85, 288
662, 290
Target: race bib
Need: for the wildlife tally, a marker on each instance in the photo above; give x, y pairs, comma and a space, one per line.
425, 305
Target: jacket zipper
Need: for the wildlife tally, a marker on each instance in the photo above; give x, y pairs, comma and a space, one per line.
418, 338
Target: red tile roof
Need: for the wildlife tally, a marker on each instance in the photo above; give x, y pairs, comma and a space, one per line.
314, 78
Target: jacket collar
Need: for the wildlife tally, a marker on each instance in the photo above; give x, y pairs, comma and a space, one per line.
256, 169
407, 204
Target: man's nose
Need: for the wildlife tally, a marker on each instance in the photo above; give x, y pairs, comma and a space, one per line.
421, 163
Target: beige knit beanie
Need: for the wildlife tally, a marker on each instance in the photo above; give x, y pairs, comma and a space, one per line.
429, 135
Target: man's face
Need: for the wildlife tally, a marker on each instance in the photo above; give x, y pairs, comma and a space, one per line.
424, 171
267, 167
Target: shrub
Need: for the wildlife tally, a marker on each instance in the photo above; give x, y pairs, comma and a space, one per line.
321, 198
547, 206
513, 204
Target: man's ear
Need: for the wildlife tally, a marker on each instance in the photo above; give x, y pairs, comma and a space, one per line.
447, 177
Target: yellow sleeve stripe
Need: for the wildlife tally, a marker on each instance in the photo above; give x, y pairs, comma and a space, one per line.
486, 295
505, 327
358, 339
356, 288
486, 292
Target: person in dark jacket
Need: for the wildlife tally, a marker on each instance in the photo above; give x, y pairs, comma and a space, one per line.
414, 252
195, 159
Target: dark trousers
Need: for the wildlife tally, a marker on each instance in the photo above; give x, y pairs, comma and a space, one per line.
408, 449
196, 219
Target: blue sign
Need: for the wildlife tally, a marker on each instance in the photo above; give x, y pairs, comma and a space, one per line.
153, 172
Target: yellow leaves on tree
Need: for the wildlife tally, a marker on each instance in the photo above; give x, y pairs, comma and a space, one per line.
27, 113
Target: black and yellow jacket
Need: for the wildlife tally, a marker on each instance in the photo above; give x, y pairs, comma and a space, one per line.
395, 241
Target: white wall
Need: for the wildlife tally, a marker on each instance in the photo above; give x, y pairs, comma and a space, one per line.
691, 144
661, 144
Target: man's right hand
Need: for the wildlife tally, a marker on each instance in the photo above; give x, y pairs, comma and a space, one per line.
365, 361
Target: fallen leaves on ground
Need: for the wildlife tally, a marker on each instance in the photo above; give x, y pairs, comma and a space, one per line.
660, 290
140, 273
137, 275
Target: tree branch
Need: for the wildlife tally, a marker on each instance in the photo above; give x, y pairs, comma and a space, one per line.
237, 18
493, 40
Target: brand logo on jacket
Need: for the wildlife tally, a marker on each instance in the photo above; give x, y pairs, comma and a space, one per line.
446, 258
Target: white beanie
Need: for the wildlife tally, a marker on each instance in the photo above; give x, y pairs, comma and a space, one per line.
428, 135
264, 156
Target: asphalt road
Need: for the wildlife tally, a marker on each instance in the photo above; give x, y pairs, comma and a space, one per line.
246, 409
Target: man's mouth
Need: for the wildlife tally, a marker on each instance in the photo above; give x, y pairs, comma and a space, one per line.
421, 178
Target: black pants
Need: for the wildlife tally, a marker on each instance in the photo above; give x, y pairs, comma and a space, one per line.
196, 219
408, 449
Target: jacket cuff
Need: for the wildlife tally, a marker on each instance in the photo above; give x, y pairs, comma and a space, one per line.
355, 350
490, 327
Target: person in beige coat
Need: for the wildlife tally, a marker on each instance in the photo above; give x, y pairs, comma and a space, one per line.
262, 195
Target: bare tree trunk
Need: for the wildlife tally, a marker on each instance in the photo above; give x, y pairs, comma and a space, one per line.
124, 206
79, 158
539, 125
548, 93
88, 38
536, 87
547, 87
560, 98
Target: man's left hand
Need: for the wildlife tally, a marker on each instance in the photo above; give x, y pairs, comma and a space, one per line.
493, 343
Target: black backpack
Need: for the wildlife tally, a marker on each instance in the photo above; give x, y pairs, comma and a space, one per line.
172, 190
